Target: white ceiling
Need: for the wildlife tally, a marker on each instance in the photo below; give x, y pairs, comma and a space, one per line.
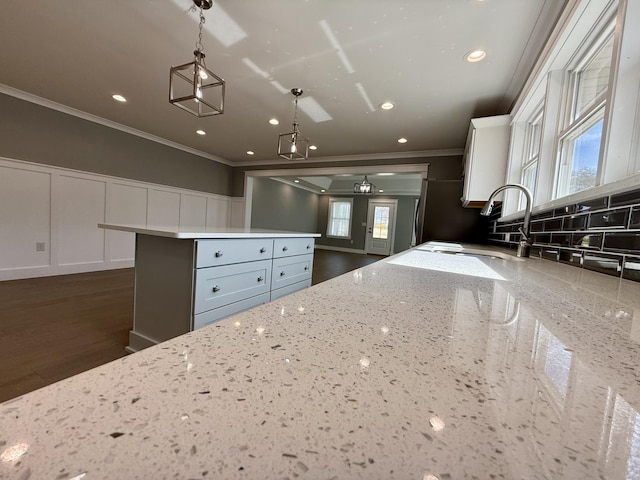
347, 55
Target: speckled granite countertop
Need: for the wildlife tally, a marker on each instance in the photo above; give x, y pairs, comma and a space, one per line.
423, 366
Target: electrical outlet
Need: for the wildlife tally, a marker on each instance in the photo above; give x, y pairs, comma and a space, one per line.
40, 246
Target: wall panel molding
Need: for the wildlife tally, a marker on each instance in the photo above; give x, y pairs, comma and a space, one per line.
49, 217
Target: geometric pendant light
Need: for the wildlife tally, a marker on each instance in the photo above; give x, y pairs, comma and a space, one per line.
365, 187
192, 86
292, 145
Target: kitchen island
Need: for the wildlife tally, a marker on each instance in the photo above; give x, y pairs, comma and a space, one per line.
187, 279
441, 362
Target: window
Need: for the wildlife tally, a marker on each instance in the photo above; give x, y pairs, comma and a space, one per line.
532, 152
339, 224
581, 139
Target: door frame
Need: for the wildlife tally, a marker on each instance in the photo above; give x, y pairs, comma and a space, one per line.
244, 217
392, 224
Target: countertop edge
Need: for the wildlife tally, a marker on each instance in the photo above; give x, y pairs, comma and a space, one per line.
218, 233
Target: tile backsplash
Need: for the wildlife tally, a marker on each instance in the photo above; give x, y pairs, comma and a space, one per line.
601, 234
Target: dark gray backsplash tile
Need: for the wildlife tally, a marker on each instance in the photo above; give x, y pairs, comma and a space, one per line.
590, 234
537, 226
631, 268
609, 219
561, 239
542, 215
569, 209
625, 242
635, 218
627, 198
550, 253
575, 222
601, 262
554, 225
542, 238
591, 241
590, 205
573, 257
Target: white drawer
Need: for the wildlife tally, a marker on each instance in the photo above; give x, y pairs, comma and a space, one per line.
290, 270
211, 253
287, 247
219, 286
214, 315
281, 292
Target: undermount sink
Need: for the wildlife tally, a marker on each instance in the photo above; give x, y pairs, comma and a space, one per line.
458, 249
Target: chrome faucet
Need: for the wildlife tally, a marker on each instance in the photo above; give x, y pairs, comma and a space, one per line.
524, 245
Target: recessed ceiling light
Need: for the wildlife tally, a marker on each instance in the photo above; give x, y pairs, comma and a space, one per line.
385, 174
274, 121
402, 140
387, 105
312, 147
250, 152
296, 181
201, 132
119, 98
323, 190
475, 56
381, 191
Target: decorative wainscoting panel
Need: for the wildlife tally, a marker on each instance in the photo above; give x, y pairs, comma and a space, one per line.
49, 218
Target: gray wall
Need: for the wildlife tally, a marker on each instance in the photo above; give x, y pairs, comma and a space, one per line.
279, 206
38, 134
404, 222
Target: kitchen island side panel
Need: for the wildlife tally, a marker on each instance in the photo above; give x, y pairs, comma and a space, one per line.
163, 287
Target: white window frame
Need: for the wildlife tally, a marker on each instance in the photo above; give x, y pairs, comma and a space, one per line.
575, 121
532, 153
330, 219
619, 159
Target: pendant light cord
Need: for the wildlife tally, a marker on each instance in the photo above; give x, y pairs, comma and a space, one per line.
199, 45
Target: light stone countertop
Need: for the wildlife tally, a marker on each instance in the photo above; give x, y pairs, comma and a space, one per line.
426, 365
213, 232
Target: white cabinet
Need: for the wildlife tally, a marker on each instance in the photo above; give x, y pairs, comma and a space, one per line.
185, 284
211, 253
219, 286
485, 158
295, 270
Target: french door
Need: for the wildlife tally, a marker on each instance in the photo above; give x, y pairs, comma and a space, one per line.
381, 225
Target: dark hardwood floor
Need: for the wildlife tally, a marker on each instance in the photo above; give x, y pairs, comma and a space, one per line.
55, 327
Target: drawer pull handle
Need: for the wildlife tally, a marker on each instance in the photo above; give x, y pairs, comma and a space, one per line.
215, 289
282, 273
285, 248
260, 279
306, 268
308, 247
218, 253
262, 250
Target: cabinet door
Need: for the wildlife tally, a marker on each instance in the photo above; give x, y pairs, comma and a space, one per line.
219, 286
486, 156
290, 270
211, 253
217, 314
287, 247
294, 287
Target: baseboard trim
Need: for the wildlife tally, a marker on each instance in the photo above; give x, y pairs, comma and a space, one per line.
69, 269
138, 342
339, 249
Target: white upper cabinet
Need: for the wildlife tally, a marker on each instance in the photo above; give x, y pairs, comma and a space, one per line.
485, 158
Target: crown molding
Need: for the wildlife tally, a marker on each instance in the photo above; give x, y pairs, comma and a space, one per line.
453, 152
